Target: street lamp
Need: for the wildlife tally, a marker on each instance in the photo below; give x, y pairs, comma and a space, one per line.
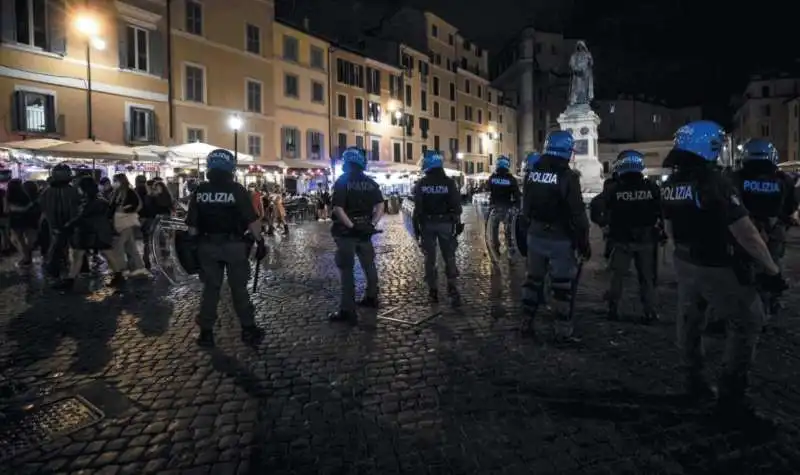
235, 123
89, 27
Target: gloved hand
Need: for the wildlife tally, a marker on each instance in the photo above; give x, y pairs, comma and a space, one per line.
772, 283
363, 230
261, 249
458, 229
584, 249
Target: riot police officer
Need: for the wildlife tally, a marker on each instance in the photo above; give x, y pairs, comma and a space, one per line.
357, 207
597, 211
504, 197
633, 214
437, 219
768, 194
530, 162
553, 207
220, 211
705, 218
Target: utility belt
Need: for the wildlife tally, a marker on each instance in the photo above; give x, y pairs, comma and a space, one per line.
554, 229
439, 218
639, 234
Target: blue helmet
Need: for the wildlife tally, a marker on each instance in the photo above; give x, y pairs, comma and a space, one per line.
531, 160
559, 144
760, 149
629, 161
702, 138
432, 159
221, 159
354, 156
503, 163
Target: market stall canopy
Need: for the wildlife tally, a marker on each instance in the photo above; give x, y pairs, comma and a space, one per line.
33, 144
306, 164
273, 163
451, 172
789, 165
200, 150
90, 149
402, 168
479, 176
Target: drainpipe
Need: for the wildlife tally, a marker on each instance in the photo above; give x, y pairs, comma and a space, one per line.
331, 49
170, 85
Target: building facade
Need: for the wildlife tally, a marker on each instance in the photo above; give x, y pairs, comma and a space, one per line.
43, 75
762, 112
628, 119
793, 130
301, 96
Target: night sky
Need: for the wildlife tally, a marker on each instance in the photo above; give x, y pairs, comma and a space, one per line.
681, 51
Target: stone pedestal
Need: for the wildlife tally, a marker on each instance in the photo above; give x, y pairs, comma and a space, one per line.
582, 122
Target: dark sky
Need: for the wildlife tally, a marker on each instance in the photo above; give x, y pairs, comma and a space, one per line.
685, 52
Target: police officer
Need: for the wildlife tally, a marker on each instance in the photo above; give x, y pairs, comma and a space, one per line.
220, 211
437, 219
768, 194
705, 218
554, 207
530, 162
504, 197
633, 211
597, 210
357, 207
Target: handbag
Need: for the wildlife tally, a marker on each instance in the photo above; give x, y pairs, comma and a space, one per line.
123, 221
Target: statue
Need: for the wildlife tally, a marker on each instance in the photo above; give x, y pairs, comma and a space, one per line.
581, 88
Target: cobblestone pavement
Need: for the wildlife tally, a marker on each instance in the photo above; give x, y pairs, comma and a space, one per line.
463, 394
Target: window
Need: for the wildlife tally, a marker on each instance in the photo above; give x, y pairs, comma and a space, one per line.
424, 100
137, 49
396, 151
469, 143
453, 145
253, 96
765, 130
765, 110
490, 116
315, 144
375, 150
434, 31
253, 41
436, 109
35, 112
317, 58
194, 17
290, 48
342, 143
436, 143
409, 151
408, 96
374, 112
317, 92
373, 81
359, 109
195, 135
480, 167
254, 145
360, 141
341, 105
453, 113
424, 149
290, 86
395, 87
291, 141
764, 91
480, 146
31, 22
435, 86
489, 96
480, 91
480, 116
500, 119
349, 74
424, 126
466, 86
468, 113
452, 91
450, 40
141, 125
195, 84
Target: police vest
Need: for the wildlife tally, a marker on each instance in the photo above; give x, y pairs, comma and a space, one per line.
632, 204
217, 208
763, 195
502, 188
434, 195
546, 190
358, 189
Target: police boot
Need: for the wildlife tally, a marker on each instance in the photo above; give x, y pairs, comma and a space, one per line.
344, 316
433, 294
613, 311
734, 408
697, 388
252, 335
64, 285
117, 281
271, 230
369, 302
206, 339
455, 295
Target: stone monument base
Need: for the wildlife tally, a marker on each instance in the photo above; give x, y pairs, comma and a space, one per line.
582, 122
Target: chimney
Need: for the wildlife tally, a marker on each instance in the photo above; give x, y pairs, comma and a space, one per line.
305, 24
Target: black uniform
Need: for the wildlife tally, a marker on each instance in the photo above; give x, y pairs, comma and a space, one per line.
700, 205
504, 198
598, 214
220, 210
437, 218
633, 209
768, 194
357, 194
558, 226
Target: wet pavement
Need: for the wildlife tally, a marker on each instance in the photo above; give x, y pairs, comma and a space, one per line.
463, 393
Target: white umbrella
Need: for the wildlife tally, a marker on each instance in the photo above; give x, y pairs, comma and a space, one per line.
94, 149
197, 150
33, 144
306, 164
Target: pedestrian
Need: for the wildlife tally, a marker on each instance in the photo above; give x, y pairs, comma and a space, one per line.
437, 221
633, 217
92, 229
706, 217
557, 228
18, 207
147, 215
504, 198
59, 203
220, 211
768, 194
125, 207
357, 208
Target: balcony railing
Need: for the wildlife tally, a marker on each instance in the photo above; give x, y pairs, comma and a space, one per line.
38, 125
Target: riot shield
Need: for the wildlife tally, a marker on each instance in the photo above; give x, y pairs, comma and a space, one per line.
172, 250
407, 210
521, 235
500, 233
